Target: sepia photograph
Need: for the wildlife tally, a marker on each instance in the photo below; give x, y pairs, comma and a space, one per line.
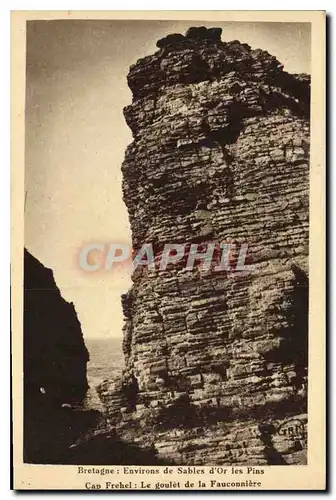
166, 257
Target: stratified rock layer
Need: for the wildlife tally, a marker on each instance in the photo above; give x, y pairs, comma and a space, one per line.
217, 362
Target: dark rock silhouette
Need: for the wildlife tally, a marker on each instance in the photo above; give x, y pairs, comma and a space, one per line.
55, 360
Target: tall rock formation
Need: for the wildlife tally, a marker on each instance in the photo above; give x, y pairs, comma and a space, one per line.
217, 362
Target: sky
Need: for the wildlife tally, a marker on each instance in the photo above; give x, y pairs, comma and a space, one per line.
76, 136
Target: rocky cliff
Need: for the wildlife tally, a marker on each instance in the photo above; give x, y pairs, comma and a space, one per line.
217, 362
55, 360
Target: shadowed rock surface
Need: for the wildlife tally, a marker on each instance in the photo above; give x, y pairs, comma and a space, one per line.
216, 363
55, 360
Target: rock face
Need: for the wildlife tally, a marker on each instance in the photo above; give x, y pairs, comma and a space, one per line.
55, 360
217, 362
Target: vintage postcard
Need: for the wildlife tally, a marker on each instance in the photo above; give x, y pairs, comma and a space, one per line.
168, 286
